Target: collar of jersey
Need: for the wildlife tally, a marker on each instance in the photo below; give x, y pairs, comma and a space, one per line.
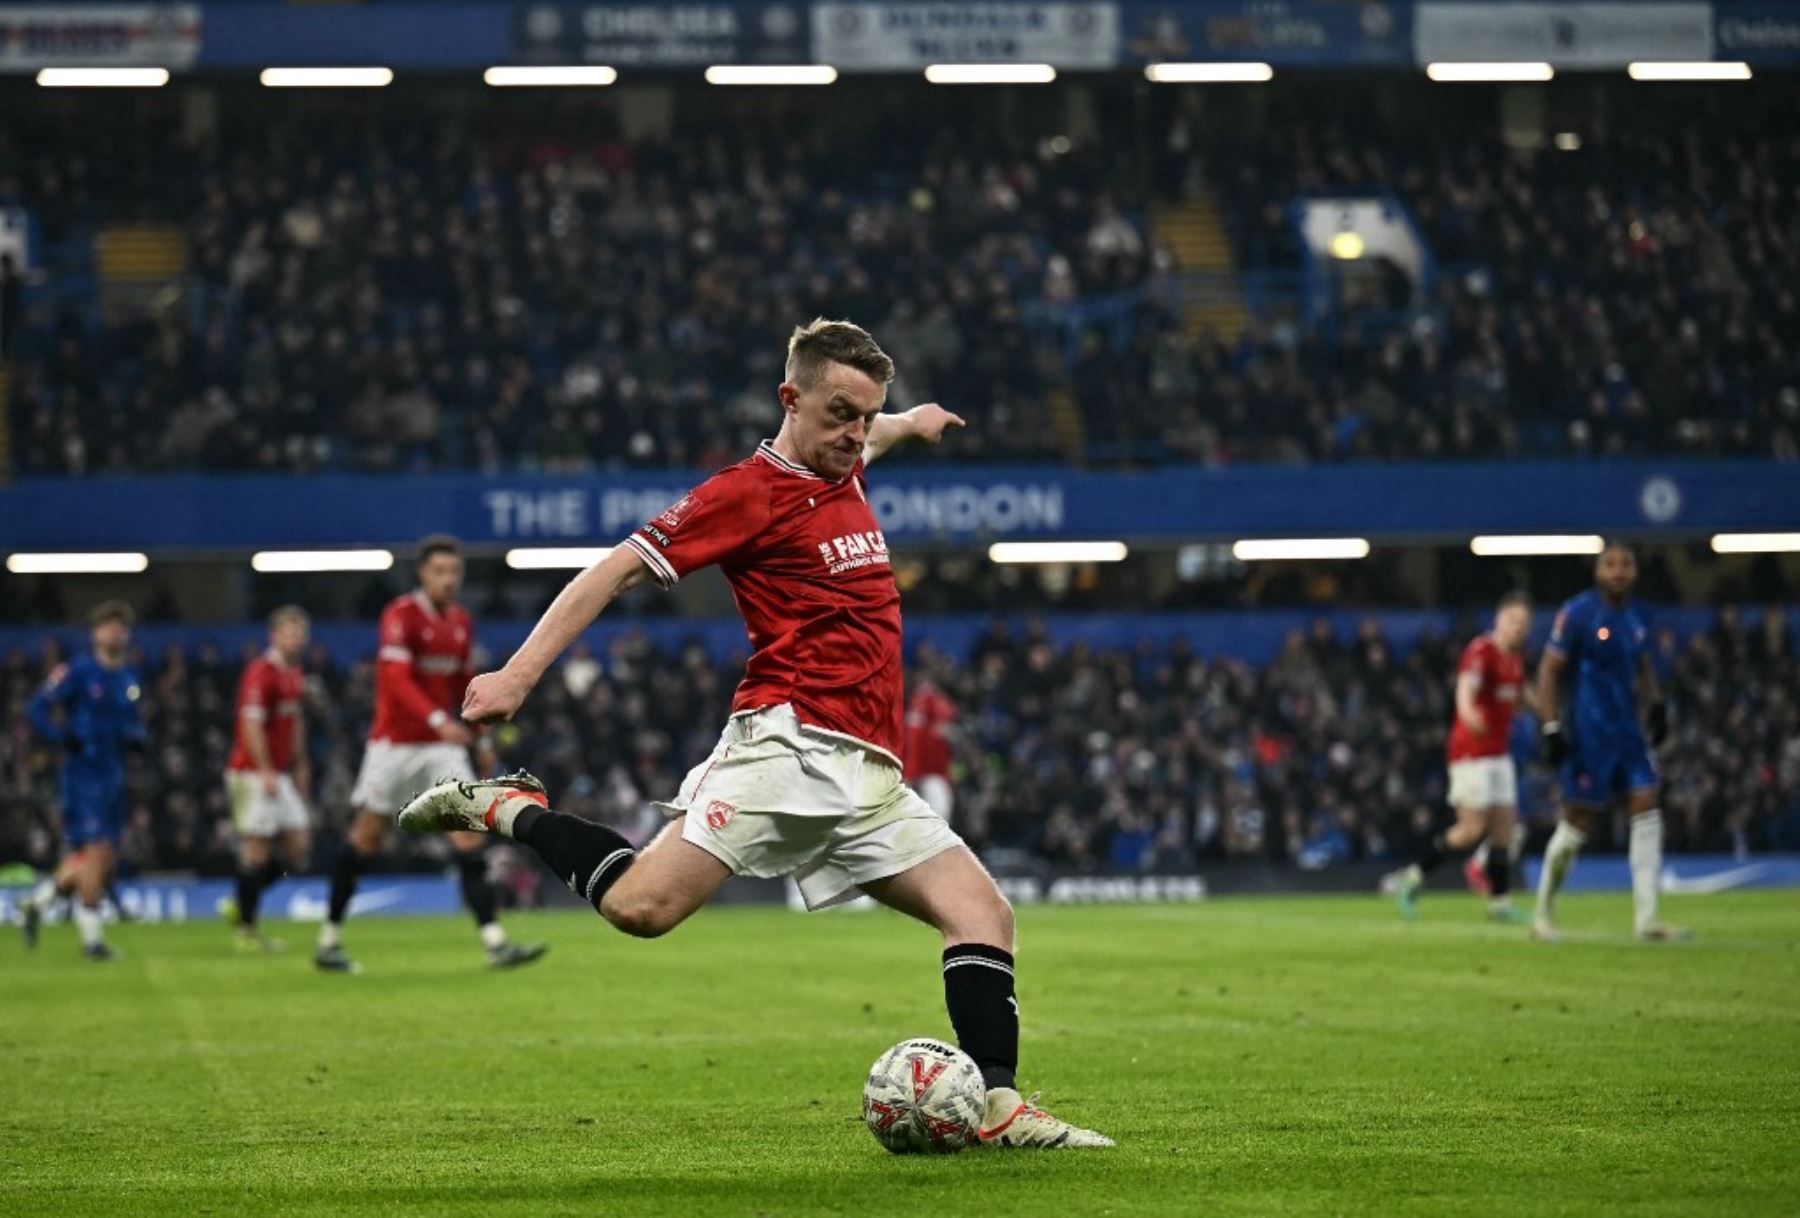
766, 450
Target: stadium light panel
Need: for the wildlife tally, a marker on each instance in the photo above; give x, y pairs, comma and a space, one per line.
1495, 72
1208, 73
990, 73
102, 78
76, 564
573, 75
327, 78
288, 561
1279, 549
556, 558
1688, 71
1568, 141
1008, 552
1347, 246
1756, 543
771, 74
1516, 547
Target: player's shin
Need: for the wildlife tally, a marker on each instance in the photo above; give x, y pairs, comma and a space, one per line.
251, 880
1559, 858
344, 876
589, 858
1645, 855
978, 990
478, 895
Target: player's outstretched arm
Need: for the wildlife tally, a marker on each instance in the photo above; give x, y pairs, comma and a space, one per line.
927, 422
498, 695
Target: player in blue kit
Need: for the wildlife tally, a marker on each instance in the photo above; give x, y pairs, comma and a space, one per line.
1602, 640
89, 707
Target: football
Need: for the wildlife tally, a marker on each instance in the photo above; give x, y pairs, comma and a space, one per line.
924, 1097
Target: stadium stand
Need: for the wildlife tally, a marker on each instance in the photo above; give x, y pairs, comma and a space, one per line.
487, 289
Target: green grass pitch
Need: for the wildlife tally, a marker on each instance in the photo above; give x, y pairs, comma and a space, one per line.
1252, 1056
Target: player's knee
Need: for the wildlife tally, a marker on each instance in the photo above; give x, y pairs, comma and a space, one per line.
988, 920
642, 916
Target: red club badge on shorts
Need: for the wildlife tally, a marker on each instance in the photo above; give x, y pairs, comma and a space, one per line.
719, 814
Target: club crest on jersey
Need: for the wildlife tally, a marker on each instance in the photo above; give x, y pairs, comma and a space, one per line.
719, 814
673, 515
853, 551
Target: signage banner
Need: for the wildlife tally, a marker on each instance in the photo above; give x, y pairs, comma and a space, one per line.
662, 35
99, 36
1300, 33
1563, 35
901, 36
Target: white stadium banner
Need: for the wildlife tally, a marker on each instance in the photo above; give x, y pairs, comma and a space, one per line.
1563, 35
900, 36
99, 36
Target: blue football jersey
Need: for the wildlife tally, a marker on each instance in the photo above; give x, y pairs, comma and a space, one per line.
100, 714
1604, 645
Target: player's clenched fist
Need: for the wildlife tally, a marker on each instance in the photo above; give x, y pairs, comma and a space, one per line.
493, 695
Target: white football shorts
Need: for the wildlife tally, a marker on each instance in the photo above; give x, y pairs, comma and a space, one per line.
776, 798
255, 813
393, 773
1484, 782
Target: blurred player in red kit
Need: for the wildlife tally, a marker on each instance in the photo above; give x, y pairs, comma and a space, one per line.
422, 668
1484, 785
930, 715
267, 778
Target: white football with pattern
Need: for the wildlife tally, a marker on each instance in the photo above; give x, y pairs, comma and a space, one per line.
924, 1097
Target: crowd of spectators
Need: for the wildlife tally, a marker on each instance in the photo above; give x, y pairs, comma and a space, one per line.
1158, 758
469, 289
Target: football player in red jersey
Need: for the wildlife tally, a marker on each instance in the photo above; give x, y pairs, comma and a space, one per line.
806, 779
422, 667
1484, 786
267, 778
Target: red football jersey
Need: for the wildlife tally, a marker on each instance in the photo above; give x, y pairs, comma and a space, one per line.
1499, 676
269, 693
808, 567
927, 747
421, 669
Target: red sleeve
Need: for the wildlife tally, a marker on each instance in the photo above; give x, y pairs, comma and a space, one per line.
394, 666
253, 692
707, 525
1475, 661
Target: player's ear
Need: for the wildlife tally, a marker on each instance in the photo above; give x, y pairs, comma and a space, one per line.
789, 393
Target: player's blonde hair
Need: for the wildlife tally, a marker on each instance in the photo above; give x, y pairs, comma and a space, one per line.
822, 342
288, 613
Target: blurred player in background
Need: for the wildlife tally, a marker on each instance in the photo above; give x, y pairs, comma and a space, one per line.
422, 666
930, 715
90, 707
1484, 785
806, 778
1602, 639
268, 776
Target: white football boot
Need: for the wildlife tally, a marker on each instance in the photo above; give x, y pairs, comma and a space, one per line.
468, 805
1017, 1123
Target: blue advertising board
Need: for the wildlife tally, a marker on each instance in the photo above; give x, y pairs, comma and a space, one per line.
661, 35
920, 503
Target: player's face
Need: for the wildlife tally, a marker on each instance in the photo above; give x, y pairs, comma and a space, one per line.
1616, 571
1511, 626
290, 638
111, 637
441, 577
829, 420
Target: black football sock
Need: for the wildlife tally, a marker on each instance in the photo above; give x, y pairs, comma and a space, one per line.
343, 883
589, 858
249, 895
1499, 872
1433, 853
978, 990
477, 893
